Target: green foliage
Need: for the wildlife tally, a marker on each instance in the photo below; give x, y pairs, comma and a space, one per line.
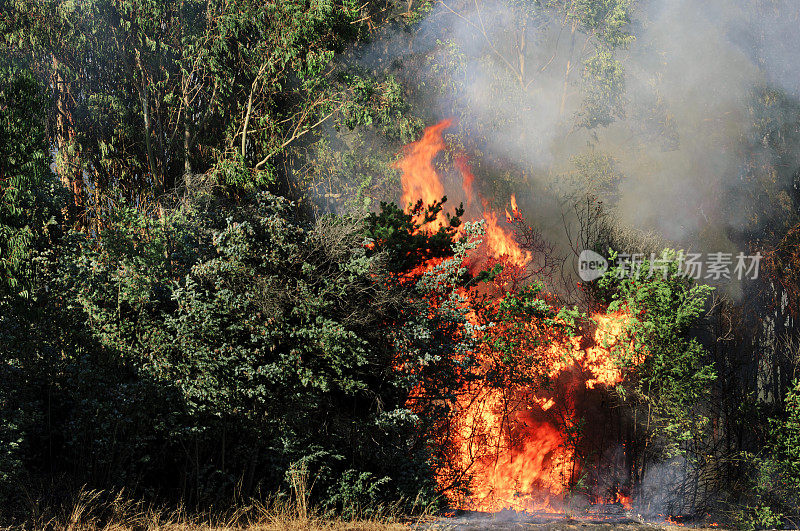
593, 174
27, 186
606, 20
196, 87
604, 93
393, 231
522, 321
28, 210
762, 517
673, 374
206, 352
776, 469
356, 495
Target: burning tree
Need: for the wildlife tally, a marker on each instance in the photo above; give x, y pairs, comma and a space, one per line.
529, 423
514, 438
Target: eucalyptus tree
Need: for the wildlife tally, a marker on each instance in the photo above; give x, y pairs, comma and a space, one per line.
146, 95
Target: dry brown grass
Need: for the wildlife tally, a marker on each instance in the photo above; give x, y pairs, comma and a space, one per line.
94, 511
123, 515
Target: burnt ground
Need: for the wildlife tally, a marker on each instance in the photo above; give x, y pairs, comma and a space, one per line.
511, 520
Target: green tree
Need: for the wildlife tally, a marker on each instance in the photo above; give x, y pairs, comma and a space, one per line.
775, 495
29, 231
672, 374
27, 188
213, 350
152, 96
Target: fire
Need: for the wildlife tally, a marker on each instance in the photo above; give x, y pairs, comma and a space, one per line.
597, 359
420, 180
515, 213
514, 207
467, 177
510, 471
500, 244
623, 500
513, 441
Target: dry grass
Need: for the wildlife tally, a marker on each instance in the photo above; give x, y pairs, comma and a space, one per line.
94, 511
123, 515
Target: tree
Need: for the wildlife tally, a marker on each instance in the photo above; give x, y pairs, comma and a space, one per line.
672, 373
29, 234
214, 350
28, 207
148, 95
777, 468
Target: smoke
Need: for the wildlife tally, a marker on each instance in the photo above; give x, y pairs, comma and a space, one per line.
670, 149
663, 490
675, 154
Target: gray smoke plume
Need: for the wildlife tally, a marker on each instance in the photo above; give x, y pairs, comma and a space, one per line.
674, 156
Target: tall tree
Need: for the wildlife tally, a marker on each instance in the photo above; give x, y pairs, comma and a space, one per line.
148, 94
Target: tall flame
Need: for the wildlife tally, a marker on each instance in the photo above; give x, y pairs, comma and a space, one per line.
420, 180
501, 244
513, 442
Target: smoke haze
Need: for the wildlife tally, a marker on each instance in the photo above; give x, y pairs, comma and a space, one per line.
679, 146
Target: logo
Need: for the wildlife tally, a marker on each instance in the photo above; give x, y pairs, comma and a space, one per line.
591, 265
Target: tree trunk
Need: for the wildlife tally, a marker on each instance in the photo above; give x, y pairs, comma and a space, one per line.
68, 164
187, 136
145, 100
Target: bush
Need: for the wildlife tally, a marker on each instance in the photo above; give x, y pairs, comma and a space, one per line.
671, 373
204, 354
775, 473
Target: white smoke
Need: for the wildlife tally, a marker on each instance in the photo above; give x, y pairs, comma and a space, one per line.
690, 75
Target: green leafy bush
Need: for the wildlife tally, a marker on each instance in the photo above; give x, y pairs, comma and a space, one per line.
672, 372
204, 353
775, 471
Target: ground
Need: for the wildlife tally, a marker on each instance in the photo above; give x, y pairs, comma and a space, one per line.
510, 520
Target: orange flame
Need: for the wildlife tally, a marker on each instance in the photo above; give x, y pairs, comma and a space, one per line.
512, 442
515, 213
623, 500
514, 207
500, 244
516, 449
420, 180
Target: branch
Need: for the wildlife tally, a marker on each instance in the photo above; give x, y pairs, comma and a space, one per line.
296, 135
482, 30
250, 105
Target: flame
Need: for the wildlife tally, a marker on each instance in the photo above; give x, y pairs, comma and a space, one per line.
420, 180
623, 500
515, 471
467, 177
514, 207
512, 442
500, 244
597, 359
515, 213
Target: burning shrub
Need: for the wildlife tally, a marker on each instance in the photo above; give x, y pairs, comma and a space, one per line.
527, 416
672, 378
